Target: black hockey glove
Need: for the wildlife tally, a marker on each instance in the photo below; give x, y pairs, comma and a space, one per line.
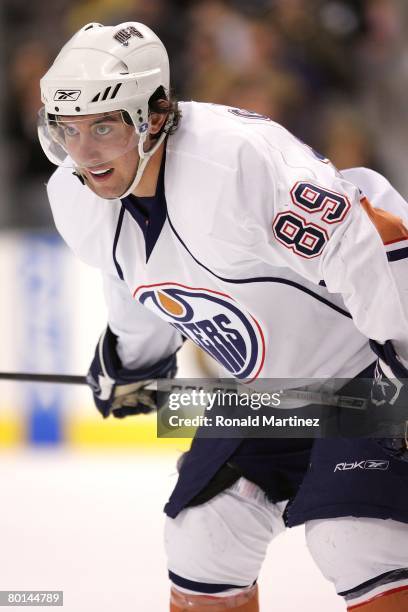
389, 395
122, 392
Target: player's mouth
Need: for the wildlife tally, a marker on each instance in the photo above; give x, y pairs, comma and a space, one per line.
100, 175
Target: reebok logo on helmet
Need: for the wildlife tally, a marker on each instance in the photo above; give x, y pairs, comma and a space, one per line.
67, 94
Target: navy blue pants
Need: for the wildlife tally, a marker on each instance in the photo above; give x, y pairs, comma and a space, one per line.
351, 478
324, 478
278, 466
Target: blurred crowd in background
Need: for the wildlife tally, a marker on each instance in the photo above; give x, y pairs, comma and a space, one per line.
334, 72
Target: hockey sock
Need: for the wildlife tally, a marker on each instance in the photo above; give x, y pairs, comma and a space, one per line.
246, 601
394, 601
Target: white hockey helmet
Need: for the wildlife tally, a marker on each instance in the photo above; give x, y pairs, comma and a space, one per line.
103, 69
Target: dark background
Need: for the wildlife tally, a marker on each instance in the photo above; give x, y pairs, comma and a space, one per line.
335, 72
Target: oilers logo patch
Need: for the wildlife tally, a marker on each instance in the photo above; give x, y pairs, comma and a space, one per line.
213, 321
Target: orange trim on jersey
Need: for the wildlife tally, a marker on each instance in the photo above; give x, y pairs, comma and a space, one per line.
390, 227
385, 594
395, 241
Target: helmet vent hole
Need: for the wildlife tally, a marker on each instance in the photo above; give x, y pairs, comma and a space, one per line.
92, 25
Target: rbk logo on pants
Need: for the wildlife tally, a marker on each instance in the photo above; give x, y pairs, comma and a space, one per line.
365, 464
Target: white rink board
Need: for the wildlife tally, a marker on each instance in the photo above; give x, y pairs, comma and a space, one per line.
53, 324
51, 313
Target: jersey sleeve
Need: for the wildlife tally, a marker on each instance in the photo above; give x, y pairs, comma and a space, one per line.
367, 262
143, 338
305, 215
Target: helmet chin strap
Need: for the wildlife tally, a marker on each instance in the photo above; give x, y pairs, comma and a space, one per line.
144, 157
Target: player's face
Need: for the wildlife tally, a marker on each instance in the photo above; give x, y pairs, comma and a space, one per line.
104, 150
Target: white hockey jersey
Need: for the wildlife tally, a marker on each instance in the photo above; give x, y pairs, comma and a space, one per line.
264, 255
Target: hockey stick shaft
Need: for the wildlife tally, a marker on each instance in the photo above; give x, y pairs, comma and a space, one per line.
64, 379
312, 397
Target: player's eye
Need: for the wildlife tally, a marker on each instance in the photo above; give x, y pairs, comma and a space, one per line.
102, 129
70, 131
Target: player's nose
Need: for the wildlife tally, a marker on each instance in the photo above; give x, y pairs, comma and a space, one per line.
88, 152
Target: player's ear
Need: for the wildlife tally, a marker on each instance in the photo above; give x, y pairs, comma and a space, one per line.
156, 122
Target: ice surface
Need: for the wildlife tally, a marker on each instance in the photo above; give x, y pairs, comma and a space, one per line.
90, 524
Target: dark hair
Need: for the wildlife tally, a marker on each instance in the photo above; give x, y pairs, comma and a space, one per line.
162, 104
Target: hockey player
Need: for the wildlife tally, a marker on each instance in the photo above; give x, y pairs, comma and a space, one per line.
217, 225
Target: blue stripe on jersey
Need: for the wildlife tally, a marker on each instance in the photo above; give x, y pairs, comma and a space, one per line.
203, 587
397, 254
263, 279
115, 243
